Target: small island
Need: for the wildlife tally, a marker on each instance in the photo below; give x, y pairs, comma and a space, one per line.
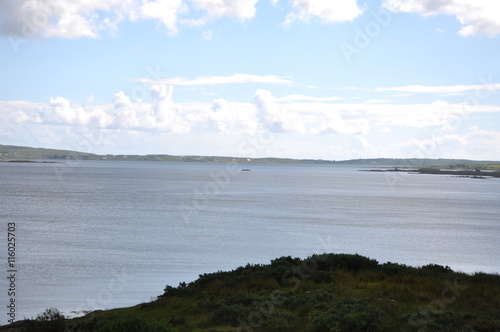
473, 171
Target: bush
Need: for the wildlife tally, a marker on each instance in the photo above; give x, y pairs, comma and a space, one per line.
228, 315
395, 269
281, 321
345, 261
177, 320
129, 324
435, 270
349, 315
325, 322
51, 320
484, 326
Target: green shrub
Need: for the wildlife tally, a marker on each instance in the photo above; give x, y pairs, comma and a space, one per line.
51, 320
344, 261
128, 323
325, 322
281, 321
349, 316
228, 315
481, 277
484, 326
395, 269
177, 320
435, 270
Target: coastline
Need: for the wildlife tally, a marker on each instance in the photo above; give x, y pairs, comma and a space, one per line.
475, 174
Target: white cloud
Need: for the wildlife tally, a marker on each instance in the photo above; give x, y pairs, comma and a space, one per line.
333, 122
340, 130
276, 117
267, 111
215, 80
327, 11
30, 19
61, 18
124, 112
231, 118
475, 145
476, 16
295, 98
445, 89
166, 11
239, 9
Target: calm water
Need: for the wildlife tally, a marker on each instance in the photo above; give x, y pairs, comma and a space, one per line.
94, 235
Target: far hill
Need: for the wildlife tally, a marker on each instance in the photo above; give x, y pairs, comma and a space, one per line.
11, 152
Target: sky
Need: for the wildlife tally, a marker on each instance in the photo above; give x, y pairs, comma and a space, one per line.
335, 80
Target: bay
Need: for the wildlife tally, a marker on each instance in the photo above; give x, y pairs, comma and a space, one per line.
103, 234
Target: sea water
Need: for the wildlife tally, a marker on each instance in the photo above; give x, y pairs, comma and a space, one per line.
103, 234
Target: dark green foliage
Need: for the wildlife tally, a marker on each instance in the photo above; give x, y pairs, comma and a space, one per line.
349, 315
344, 261
431, 320
242, 298
230, 315
394, 269
129, 323
177, 320
51, 320
485, 278
484, 325
435, 270
281, 321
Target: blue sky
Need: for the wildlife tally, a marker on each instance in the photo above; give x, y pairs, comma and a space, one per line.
286, 78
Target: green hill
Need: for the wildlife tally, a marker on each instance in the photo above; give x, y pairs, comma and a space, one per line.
26, 153
328, 292
10, 152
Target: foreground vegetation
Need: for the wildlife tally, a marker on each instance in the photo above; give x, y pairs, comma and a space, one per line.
329, 292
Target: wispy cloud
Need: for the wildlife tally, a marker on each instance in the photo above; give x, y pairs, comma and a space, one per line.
217, 80
296, 98
443, 90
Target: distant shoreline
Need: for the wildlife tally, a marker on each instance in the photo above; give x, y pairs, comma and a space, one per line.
474, 174
29, 161
12, 152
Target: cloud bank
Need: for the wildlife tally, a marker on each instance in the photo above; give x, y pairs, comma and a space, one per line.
30, 19
476, 16
301, 126
91, 18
